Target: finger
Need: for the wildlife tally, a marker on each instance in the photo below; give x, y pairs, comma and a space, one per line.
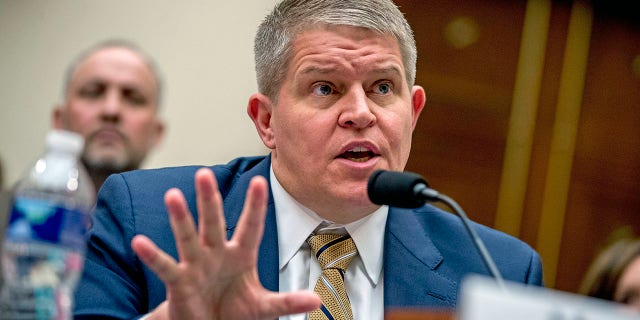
159, 313
157, 260
275, 305
251, 224
182, 225
212, 225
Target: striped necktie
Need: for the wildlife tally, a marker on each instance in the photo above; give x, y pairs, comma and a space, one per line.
334, 253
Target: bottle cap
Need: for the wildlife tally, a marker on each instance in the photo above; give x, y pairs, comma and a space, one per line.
64, 140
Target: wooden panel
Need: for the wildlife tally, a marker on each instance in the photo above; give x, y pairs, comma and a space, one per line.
460, 139
544, 123
606, 176
459, 143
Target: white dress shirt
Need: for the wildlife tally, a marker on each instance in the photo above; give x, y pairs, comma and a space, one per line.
298, 268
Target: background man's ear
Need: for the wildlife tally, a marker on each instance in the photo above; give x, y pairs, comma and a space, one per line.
57, 117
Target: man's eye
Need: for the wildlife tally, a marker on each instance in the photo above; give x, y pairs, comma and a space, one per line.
134, 96
91, 91
383, 88
322, 89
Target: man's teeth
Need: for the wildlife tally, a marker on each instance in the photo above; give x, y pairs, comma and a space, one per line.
359, 149
358, 154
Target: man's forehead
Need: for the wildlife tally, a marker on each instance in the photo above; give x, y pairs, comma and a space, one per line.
315, 50
115, 56
323, 34
111, 63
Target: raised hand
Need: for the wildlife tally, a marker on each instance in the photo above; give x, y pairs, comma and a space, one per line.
217, 278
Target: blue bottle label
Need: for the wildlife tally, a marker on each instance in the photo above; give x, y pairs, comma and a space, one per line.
38, 220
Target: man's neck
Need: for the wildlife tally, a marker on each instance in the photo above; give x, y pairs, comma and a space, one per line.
98, 178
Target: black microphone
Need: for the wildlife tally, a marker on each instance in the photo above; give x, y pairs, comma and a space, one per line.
399, 189
410, 190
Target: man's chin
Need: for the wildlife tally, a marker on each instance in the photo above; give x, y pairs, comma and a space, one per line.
106, 164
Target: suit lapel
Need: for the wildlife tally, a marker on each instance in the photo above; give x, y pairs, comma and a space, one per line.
268, 252
414, 280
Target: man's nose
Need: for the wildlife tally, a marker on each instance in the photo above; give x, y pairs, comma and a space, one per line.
357, 111
112, 105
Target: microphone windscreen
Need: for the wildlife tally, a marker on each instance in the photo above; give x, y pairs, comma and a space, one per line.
396, 189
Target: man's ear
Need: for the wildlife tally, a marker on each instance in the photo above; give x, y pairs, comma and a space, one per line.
159, 128
418, 99
57, 117
259, 110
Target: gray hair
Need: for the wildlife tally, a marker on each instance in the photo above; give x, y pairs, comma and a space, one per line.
114, 43
272, 47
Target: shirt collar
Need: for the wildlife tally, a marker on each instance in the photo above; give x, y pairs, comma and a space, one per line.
367, 233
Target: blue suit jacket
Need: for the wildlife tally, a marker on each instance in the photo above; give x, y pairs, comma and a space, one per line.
427, 251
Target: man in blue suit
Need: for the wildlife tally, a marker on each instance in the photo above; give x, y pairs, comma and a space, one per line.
336, 102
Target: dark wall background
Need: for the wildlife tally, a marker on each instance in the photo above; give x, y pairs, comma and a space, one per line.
468, 61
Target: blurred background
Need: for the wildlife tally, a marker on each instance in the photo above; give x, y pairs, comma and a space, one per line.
204, 50
532, 120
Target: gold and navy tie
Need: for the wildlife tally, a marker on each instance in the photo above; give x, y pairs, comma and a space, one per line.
334, 253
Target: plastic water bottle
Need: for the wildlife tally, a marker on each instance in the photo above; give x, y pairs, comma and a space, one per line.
44, 245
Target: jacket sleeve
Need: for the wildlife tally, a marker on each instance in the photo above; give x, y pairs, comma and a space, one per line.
534, 276
110, 286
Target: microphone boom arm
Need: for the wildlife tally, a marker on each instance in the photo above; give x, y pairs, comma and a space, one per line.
433, 195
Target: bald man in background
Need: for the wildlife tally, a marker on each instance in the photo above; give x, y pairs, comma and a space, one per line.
112, 98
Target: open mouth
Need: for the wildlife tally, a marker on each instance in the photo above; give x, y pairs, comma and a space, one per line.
359, 154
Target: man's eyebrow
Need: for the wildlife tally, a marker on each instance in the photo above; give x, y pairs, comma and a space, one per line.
390, 69
317, 69
326, 70
92, 80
